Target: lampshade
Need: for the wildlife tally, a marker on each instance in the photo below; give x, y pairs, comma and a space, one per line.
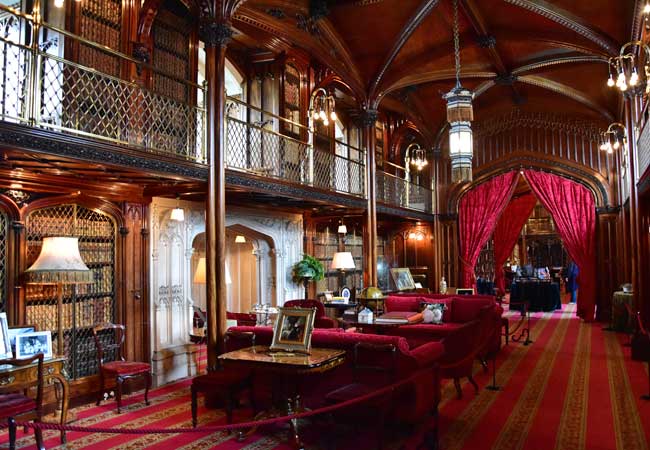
239, 239
342, 229
199, 274
178, 214
342, 261
59, 261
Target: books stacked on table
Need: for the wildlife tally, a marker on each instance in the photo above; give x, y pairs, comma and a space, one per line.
399, 317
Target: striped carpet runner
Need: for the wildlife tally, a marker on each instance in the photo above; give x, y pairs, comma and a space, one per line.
574, 388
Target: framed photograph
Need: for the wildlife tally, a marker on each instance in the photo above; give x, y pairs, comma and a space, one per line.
5, 343
29, 344
402, 278
465, 291
346, 294
14, 331
293, 329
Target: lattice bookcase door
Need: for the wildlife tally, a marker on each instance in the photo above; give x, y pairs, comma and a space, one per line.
3, 261
83, 305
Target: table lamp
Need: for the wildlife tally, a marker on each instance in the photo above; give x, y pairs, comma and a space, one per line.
199, 274
59, 263
342, 261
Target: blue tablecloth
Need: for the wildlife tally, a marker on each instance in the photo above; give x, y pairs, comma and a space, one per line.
541, 295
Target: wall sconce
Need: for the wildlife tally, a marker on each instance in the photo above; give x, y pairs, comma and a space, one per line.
614, 138
240, 239
178, 214
322, 107
624, 67
415, 236
416, 155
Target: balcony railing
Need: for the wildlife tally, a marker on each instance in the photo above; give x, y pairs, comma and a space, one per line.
255, 145
397, 191
41, 88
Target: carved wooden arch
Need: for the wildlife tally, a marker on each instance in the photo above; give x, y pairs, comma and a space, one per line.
9, 207
333, 79
400, 134
93, 203
592, 180
147, 17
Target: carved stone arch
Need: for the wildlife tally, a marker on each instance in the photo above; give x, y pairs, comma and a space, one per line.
592, 180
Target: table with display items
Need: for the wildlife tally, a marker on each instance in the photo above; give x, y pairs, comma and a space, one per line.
540, 295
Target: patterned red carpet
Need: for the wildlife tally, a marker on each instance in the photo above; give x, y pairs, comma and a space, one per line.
575, 387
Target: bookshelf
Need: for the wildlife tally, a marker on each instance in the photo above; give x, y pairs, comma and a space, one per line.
83, 305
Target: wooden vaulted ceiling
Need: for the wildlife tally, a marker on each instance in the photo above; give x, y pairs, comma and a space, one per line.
536, 55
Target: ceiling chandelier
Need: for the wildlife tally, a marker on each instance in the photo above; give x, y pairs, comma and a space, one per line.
416, 155
459, 115
614, 138
623, 70
321, 106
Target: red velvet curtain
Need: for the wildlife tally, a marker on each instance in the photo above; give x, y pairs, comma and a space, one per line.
507, 232
572, 207
478, 214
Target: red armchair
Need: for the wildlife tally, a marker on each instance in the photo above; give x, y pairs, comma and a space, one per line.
641, 348
15, 404
113, 336
321, 320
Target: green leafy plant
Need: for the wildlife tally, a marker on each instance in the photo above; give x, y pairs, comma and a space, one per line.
309, 268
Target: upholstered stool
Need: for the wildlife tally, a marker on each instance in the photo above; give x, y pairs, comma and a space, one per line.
229, 384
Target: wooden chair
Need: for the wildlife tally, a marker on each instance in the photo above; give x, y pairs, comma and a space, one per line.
641, 348
16, 404
227, 383
119, 369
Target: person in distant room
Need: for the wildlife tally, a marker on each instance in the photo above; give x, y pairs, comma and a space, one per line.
570, 275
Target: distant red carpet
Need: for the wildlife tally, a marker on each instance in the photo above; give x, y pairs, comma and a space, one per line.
573, 388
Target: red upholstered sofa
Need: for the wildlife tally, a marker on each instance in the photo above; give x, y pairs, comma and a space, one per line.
412, 401
321, 320
460, 310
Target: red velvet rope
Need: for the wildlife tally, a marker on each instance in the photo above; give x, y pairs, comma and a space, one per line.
249, 424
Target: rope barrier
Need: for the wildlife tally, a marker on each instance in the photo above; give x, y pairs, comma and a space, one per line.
211, 429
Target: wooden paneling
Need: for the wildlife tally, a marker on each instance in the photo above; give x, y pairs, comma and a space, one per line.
606, 269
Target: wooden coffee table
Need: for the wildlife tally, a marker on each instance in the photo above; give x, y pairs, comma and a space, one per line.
286, 371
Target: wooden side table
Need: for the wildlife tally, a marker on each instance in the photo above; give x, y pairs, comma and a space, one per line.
620, 319
53, 372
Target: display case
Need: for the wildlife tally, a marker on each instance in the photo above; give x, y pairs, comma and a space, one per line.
327, 242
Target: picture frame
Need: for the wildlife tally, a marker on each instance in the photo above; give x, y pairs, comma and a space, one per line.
20, 329
402, 278
293, 330
465, 291
5, 342
30, 344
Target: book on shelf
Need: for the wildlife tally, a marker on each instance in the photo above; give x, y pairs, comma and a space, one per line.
399, 317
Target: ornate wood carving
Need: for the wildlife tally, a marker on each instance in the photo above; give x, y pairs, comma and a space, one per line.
569, 21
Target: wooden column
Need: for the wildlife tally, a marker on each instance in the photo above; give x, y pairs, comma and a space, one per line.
367, 118
630, 114
216, 35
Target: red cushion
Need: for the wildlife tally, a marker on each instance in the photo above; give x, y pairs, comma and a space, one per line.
220, 378
13, 404
126, 367
399, 303
467, 309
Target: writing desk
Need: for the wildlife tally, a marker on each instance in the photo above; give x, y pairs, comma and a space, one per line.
53, 372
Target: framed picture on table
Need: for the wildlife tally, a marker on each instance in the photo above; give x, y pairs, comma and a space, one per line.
465, 291
402, 278
29, 344
293, 330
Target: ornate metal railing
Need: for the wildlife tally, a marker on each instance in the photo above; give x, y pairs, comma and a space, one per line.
397, 191
254, 144
42, 89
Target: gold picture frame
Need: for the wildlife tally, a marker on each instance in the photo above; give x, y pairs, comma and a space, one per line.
465, 291
293, 330
402, 278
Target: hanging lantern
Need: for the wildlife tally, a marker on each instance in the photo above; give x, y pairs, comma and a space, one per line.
460, 115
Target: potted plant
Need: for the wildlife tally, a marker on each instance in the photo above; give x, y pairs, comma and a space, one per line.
306, 270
